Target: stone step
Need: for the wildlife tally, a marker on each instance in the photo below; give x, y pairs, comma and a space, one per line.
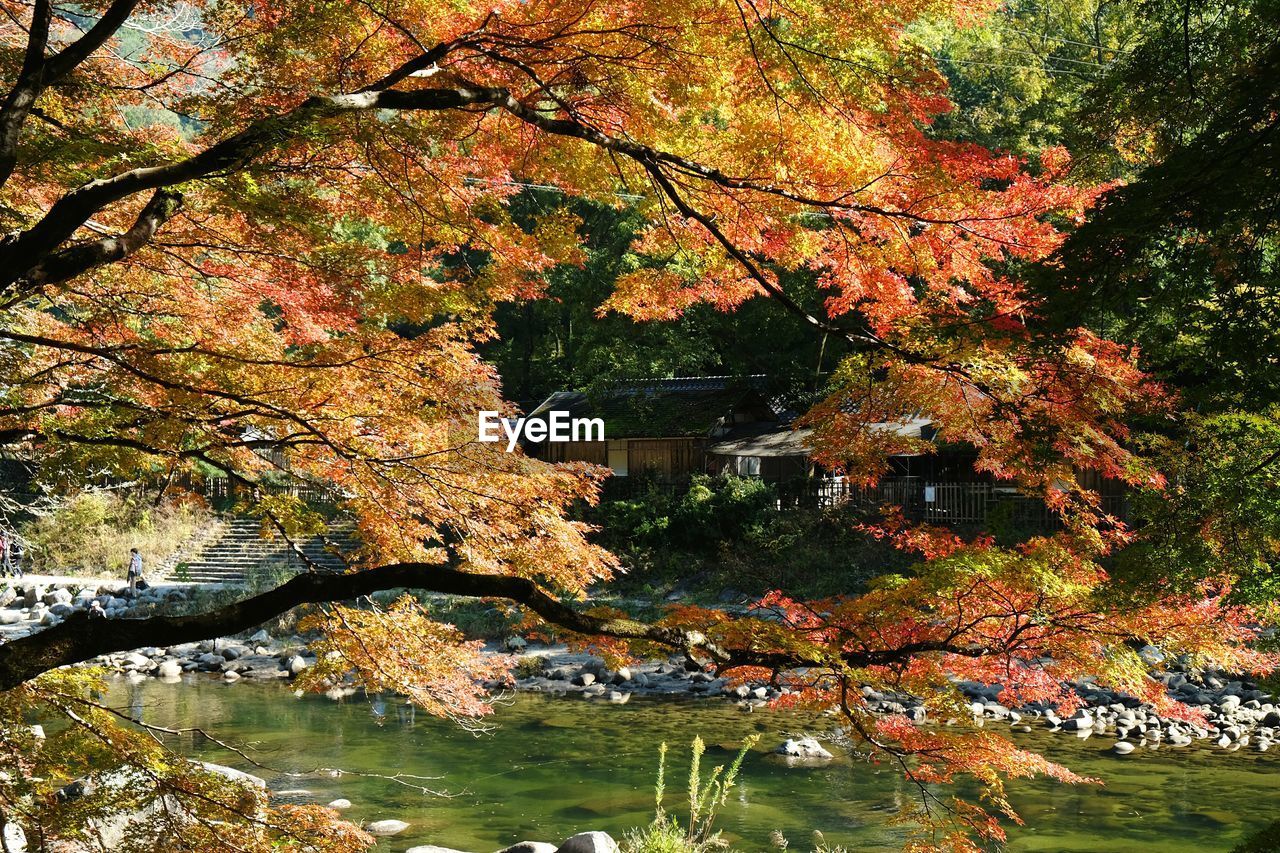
239, 549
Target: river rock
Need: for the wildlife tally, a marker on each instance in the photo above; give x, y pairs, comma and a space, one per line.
529, 847
296, 664
136, 660
584, 679
1151, 655
170, 668
8, 596
805, 747
1123, 748
57, 595
589, 842
234, 652
386, 828
434, 848
235, 775
340, 804
260, 637
1081, 722
10, 617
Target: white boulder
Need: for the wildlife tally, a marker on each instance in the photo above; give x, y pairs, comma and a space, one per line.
589, 842
385, 828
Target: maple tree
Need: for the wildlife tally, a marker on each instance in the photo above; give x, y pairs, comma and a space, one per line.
273, 236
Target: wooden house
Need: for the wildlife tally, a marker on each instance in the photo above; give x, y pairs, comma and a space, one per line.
659, 428
665, 430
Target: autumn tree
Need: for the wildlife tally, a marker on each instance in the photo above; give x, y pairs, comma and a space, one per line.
239, 235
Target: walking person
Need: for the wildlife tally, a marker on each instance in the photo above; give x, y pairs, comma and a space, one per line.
15, 554
6, 559
135, 570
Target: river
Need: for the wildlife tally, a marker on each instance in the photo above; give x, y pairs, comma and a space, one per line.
549, 767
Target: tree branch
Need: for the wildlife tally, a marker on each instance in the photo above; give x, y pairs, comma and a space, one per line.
71, 262
80, 637
26, 88
22, 252
78, 51
39, 72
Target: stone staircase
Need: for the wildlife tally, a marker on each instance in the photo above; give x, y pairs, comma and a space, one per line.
239, 549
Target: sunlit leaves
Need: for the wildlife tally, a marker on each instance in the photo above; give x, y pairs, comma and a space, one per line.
401, 649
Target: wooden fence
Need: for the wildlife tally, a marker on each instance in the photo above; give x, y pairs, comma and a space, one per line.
959, 504
224, 490
951, 504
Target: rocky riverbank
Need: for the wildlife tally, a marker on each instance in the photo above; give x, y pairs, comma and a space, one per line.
32, 604
1238, 713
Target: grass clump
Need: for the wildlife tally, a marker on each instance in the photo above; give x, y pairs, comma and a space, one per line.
705, 798
530, 666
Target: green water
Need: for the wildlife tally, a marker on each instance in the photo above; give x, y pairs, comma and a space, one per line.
551, 767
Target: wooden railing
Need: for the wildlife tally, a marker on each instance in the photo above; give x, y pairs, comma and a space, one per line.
952, 504
955, 503
222, 490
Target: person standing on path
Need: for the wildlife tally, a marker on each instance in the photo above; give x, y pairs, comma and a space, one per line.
6, 559
135, 570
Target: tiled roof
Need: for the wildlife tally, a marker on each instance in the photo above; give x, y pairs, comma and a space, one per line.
690, 406
779, 440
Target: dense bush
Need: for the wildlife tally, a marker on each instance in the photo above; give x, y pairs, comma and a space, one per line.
711, 510
727, 533
91, 533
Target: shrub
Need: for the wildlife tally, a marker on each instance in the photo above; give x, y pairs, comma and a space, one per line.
92, 532
711, 510
530, 666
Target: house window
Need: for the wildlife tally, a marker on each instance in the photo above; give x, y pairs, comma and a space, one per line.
746, 466
618, 458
